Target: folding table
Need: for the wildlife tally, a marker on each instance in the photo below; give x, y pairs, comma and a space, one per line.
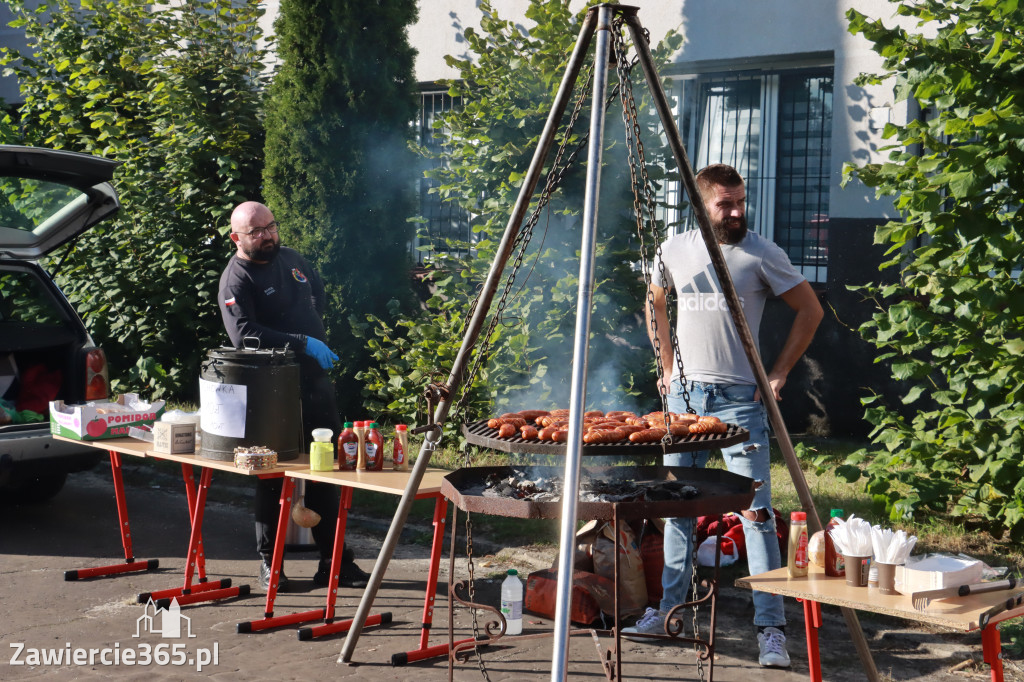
387, 481
191, 592
964, 614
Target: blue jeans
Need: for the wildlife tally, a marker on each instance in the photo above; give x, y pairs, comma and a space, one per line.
732, 403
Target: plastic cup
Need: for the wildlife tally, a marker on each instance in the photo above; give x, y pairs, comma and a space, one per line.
857, 569
886, 578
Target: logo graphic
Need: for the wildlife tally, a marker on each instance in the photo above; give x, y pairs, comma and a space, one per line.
164, 622
299, 277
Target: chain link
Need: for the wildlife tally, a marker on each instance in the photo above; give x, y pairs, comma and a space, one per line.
645, 210
554, 178
646, 222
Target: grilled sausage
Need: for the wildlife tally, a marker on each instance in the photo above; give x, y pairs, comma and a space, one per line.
546, 433
631, 428
593, 414
678, 429
638, 421
507, 430
702, 426
619, 414
603, 436
529, 432
532, 415
560, 436
498, 421
647, 436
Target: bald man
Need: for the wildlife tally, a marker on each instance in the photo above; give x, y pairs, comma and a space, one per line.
272, 293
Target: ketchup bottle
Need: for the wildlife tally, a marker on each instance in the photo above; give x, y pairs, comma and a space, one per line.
834, 564
398, 454
348, 448
374, 448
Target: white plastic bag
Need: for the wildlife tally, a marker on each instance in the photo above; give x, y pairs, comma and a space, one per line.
706, 552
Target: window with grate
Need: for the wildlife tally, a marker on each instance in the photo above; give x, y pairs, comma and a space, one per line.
775, 128
444, 223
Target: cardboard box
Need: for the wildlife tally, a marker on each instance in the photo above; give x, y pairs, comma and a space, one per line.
174, 438
935, 572
101, 420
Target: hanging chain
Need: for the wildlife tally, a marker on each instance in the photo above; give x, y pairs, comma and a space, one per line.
554, 179
645, 211
646, 223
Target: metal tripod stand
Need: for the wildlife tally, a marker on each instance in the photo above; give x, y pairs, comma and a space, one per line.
598, 22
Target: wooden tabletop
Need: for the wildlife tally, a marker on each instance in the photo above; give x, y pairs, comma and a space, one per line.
126, 446
141, 448
960, 613
385, 481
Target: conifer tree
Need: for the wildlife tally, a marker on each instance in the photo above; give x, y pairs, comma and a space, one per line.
338, 174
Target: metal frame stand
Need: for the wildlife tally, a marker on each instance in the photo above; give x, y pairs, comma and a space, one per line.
599, 20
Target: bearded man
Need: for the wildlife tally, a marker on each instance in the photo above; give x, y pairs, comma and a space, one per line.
272, 293
721, 382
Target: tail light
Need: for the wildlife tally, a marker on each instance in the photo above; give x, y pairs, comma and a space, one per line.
97, 382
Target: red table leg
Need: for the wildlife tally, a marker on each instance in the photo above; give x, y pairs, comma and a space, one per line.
203, 585
991, 649
812, 622
331, 627
130, 564
269, 620
190, 494
190, 595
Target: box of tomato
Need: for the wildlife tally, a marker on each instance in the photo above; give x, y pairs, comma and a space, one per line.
100, 420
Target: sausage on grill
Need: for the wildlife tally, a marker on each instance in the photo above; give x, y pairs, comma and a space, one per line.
603, 436
647, 436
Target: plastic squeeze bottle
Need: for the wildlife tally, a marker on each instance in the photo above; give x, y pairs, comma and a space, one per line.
321, 451
512, 602
348, 448
374, 448
797, 550
401, 446
834, 564
360, 431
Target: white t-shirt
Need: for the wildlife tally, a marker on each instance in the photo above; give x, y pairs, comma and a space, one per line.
708, 341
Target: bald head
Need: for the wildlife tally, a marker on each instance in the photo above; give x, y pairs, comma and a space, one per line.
249, 213
254, 232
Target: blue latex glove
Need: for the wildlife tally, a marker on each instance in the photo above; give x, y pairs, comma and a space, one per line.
319, 351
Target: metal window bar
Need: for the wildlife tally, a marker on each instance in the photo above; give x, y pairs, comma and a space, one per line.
446, 226
804, 156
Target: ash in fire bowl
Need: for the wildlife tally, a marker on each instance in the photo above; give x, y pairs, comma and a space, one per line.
521, 485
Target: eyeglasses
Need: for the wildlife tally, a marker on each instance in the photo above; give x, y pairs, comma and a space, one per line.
260, 232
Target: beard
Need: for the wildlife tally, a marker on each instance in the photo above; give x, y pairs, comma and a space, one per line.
730, 230
265, 252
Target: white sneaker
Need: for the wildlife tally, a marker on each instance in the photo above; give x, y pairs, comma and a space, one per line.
651, 623
772, 643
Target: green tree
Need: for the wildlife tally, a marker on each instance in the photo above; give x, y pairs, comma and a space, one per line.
951, 326
339, 174
507, 89
173, 93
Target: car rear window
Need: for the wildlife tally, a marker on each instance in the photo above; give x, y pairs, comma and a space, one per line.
26, 204
24, 297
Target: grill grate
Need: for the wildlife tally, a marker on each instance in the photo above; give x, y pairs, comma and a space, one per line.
478, 433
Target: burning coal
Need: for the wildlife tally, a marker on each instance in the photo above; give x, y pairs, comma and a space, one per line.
523, 485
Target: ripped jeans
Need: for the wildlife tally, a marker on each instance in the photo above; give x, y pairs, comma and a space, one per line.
732, 403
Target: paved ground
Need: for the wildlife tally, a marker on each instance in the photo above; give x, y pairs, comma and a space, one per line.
40, 611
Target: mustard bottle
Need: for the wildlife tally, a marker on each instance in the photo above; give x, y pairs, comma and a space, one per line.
321, 450
797, 549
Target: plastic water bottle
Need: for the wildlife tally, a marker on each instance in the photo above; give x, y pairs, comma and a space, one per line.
512, 602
